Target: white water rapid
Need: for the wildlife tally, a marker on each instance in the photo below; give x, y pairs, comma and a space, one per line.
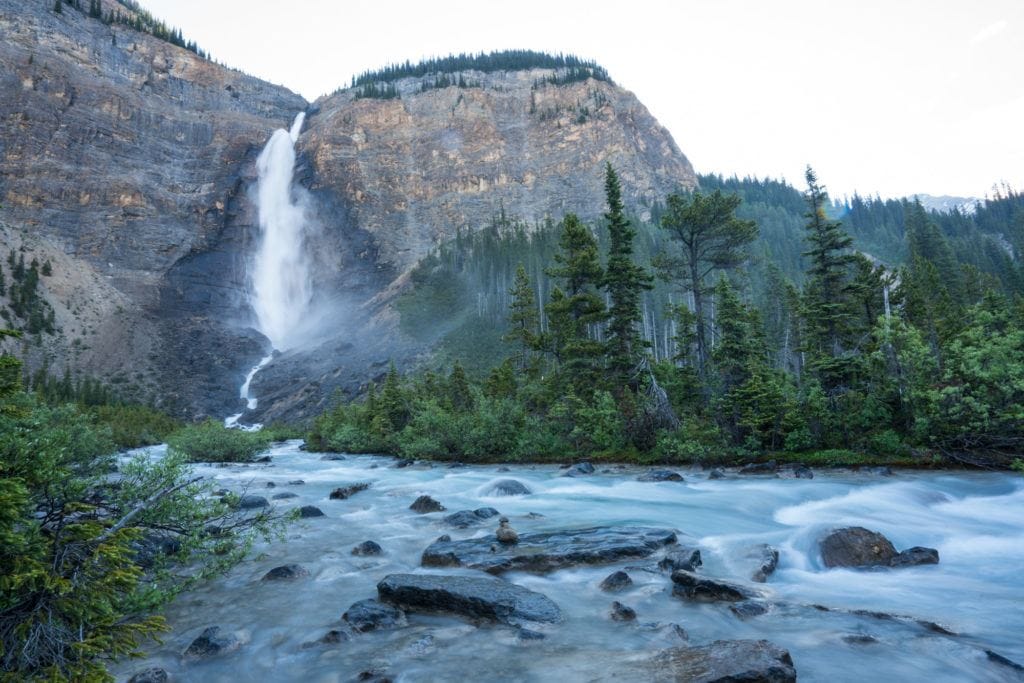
281, 288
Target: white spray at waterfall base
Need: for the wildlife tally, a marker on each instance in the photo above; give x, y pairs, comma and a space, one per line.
281, 288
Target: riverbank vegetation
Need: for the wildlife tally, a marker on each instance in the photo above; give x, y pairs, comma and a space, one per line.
677, 342
92, 544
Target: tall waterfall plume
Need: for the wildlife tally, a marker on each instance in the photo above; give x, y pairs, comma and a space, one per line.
281, 288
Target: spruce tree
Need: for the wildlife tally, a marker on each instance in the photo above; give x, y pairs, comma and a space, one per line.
522, 317
710, 237
459, 393
58, 6
625, 282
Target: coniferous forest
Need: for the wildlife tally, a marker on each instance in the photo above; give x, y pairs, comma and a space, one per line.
744, 321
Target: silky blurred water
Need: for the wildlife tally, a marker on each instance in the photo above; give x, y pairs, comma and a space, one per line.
975, 520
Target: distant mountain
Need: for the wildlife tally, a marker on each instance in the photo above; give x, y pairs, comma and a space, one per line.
946, 203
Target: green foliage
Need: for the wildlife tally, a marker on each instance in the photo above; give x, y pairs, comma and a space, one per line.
211, 441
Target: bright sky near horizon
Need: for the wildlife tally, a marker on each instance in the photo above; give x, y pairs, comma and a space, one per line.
889, 97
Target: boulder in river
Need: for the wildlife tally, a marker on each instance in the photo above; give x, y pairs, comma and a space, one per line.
856, 546
466, 518
760, 468
682, 557
748, 608
716, 473
766, 558
616, 581
802, 472
425, 504
373, 615
545, 552
286, 572
367, 548
284, 495
620, 612
660, 475
252, 502
579, 469
915, 556
211, 643
332, 456
692, 587
507, 487
751, 661
469, 596
153, 674
349, 490
296, 482
308, 511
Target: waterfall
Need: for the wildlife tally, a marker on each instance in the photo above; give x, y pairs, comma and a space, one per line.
281, 290
281, 287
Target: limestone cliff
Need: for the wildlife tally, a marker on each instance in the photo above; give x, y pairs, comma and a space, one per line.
129, 162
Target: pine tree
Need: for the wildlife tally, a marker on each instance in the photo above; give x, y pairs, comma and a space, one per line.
624, 281
58, 6
459, 393
522, 317
710, 237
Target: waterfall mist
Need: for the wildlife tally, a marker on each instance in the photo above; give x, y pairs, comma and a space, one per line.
281, 286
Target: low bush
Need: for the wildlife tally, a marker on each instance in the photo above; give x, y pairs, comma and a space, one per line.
211, 441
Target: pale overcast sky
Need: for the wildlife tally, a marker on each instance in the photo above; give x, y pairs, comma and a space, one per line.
881, 96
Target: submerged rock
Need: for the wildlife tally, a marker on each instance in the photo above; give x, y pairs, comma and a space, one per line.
284, 495
545, 552
373, 676
620, 612
373, 615
748, 608
286, 572
367, 548
733, 661
252, 502
349, 490
332, 456
151, 675
307, 511
211, 643
767, 559
915, 556
507, 487
716, 473
692, 587
802, 472
332, 637
1004, 661
616, 581
760, 468
681, 558
580, 468
425, 504
296, 482
856, 547
859, 639
468, 596
660, 475
467, 518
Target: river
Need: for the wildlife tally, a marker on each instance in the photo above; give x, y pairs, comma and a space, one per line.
975, 520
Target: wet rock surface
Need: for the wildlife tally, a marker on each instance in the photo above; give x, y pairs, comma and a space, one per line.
284, 495
544, 552
620, 612
151, 675
915, 556
286, 572
372, 615
616, 581
310, 511
579, 469
723, 661
682, 557
468, 596
426, 504
693, 587
212, 642
507, 487
367, 549
856, 547
252, 502
769, 467
348, 490
660, 475
766, 559
463, 519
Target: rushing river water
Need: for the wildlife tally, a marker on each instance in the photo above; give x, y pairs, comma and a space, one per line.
975, 520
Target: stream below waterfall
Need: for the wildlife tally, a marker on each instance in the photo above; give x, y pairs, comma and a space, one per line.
975, 520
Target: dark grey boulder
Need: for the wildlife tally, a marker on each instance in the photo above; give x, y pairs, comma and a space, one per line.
507, 487
545, 552
723, 661
802, 472
425, 504
333, 637
373, 676
464, 519
152, 546
692, 587
308, 511
211, 643
527, 634
151, 675
1005, 662
404, 462
468, 596
286, 572
660, 475
367, 548
616, 581
716, 474
372, 615
766, 559
760, 468
915, 556
579, 469
263, 459
284, 495
682, 557
332, 456
620, 612
881, 471
856, 547
748, 608
859, 639
349, 490
271, 485
296, 482
252, 502
503, 469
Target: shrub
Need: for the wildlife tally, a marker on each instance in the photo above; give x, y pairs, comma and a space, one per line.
211, 441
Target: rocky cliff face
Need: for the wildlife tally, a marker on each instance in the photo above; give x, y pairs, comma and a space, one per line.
130, 162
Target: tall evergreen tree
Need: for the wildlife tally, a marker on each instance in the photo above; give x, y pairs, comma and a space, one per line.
710, 237
522, 317
624, 281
